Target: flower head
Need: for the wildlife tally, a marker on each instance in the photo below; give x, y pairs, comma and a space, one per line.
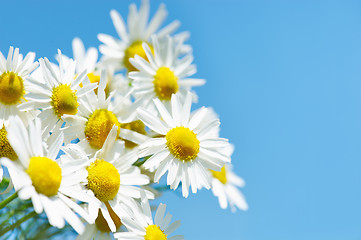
14, 71
186, 149
40, 176
134, 34
140, 224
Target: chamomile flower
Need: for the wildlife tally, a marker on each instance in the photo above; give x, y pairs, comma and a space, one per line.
97, 116
58, 94
225, 183
109, 176
40, 176
117, 52
185, 148
14, 71
165, 73
140, 224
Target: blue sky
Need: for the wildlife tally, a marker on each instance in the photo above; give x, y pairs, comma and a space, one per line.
285, 78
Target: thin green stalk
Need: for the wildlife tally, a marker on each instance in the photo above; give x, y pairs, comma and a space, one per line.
8, 200
18, 223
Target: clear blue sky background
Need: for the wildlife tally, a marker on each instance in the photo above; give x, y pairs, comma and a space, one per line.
285, 78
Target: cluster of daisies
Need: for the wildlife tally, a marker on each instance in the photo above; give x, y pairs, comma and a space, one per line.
87, 139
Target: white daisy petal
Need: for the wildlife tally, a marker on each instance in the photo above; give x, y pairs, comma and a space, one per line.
172, 227
166, 221
154, 142
9, 59
163, 167
186, 109
55, 147
53, 209
164, 113
169, 29
119, 25
151, 121
157, 20
156, 159
87, 88
132, 136
159, 215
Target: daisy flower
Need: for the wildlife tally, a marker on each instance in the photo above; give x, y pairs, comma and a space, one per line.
140, 224
38, 175
185, 148
109, 176
225, 183
14, 71
95, 120
165, 74
117, 52
57, 93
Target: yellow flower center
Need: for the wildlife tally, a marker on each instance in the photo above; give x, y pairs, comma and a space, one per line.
135, 48
98, 127
5, 148
103, 180
11, 88
137, 126
153, 232
182, 143
165, 83
45, 175
102, 224
221, 176
64, 100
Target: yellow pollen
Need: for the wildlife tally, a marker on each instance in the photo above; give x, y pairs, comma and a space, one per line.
135, 48
11, 88
98, 127
103, 180
153, 232
64, 100
137, 126
102, 224
45, 175
221, 176
182, 143
165, 83
5, 148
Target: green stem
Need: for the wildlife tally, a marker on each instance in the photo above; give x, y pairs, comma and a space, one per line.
8, 200
18, 223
